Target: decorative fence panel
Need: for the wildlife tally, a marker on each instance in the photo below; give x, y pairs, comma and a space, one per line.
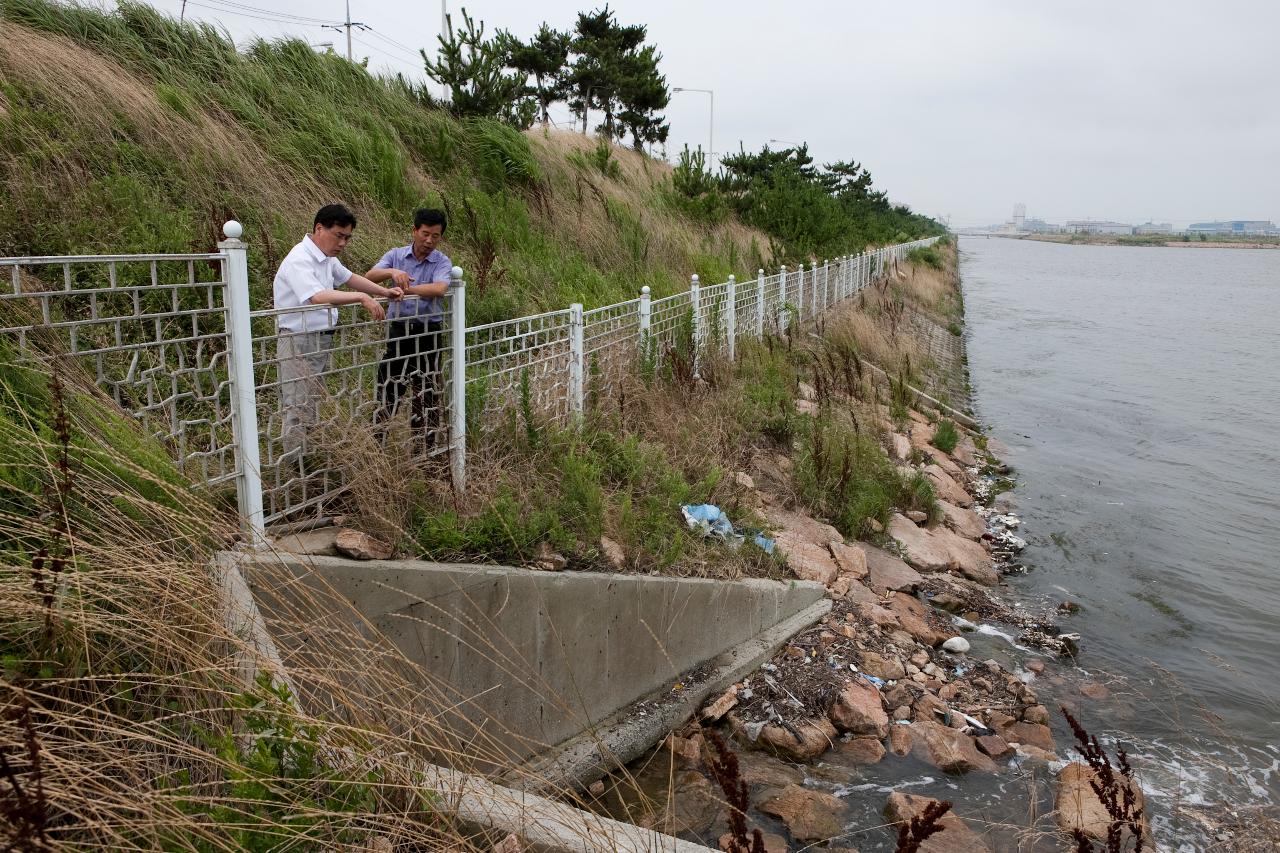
172, 339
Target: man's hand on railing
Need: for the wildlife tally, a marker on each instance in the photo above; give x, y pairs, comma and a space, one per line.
373, 307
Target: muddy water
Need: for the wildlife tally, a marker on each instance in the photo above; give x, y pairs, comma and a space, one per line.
1133, 392
1137, 392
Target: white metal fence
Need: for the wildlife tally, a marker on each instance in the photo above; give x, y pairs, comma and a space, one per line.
174, 342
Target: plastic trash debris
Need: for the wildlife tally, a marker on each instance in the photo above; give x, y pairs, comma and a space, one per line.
878, 682
710, 520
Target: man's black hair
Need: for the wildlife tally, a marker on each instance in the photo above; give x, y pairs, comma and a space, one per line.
334, 214
430, 216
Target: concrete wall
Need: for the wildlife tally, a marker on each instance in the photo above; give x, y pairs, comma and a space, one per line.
534, 657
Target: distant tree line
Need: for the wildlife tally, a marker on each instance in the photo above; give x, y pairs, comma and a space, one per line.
812, 212
599, 66
604, 68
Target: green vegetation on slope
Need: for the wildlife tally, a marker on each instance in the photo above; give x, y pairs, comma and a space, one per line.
130, 132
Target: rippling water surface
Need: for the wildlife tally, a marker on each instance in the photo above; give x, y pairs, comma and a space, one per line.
1138, 393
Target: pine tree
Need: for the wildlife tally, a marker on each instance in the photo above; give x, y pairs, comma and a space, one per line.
544, 58
474, 70
614, 72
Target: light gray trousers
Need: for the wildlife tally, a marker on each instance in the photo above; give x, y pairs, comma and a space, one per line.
304, 358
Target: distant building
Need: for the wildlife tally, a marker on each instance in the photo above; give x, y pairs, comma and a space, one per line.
1039, 226
1019, 216
1238, 227
1154, 228
1097, 226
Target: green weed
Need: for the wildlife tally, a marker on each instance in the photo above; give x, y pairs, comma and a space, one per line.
946, 436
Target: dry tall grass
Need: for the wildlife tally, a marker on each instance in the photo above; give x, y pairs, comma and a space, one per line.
130, 717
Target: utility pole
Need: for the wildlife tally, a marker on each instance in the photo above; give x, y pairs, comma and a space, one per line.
444, 28
346, 25
711, 123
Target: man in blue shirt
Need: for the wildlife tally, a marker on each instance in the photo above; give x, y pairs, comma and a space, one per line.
412, 359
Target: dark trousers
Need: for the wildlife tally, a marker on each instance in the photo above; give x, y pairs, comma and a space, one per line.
409, 367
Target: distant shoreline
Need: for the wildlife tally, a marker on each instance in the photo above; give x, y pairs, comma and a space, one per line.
1144, 240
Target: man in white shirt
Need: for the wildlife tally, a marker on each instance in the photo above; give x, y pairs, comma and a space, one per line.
307, 282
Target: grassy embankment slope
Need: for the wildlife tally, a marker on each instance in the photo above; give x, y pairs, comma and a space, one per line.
131, 133
124, 720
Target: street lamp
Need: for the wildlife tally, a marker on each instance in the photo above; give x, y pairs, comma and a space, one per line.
786, 142
711, 124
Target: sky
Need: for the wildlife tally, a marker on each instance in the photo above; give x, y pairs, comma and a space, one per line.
1131, 111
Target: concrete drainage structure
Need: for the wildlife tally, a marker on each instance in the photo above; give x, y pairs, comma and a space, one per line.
562, 675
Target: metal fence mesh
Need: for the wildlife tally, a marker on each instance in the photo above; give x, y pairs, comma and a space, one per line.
153, 332
504, 357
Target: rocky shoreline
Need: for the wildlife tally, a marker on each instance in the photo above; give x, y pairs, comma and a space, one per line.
889, 671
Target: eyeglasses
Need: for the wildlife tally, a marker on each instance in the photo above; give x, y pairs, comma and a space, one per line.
342, 236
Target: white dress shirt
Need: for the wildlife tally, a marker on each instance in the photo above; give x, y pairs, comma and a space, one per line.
305, 272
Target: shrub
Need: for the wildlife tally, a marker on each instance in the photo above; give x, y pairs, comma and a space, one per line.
945, 437
847, 478
926, 255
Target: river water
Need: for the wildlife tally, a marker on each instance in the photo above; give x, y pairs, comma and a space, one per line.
1137, 393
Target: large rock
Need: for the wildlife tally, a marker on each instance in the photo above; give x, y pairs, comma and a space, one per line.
899, 739
879, 616
899, 447
816, 737
966, 522
921, 436
881, 666
810, 815
945, 462
760, 768
773, 843
955, 837
919, 546
861, 595
914, 616
1078, 806
887, 573
801, 527
946, 487
613, 554
861, 750
851, 561
967, 557
361, 546
965, 452
1034, 734
859, 710
950, 750
808, 561
693, 806
320, 542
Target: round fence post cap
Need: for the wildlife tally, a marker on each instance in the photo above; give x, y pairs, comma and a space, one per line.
233, 230
455, 273
645, 290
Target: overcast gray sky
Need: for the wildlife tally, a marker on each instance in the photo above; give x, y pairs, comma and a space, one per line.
1085, 109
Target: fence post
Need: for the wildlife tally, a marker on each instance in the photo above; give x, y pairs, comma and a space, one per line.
458, 381
575, 361
760, 304
782, 299
244, 411
646, 317
826, 283
695, 305
800, 294
731, 316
